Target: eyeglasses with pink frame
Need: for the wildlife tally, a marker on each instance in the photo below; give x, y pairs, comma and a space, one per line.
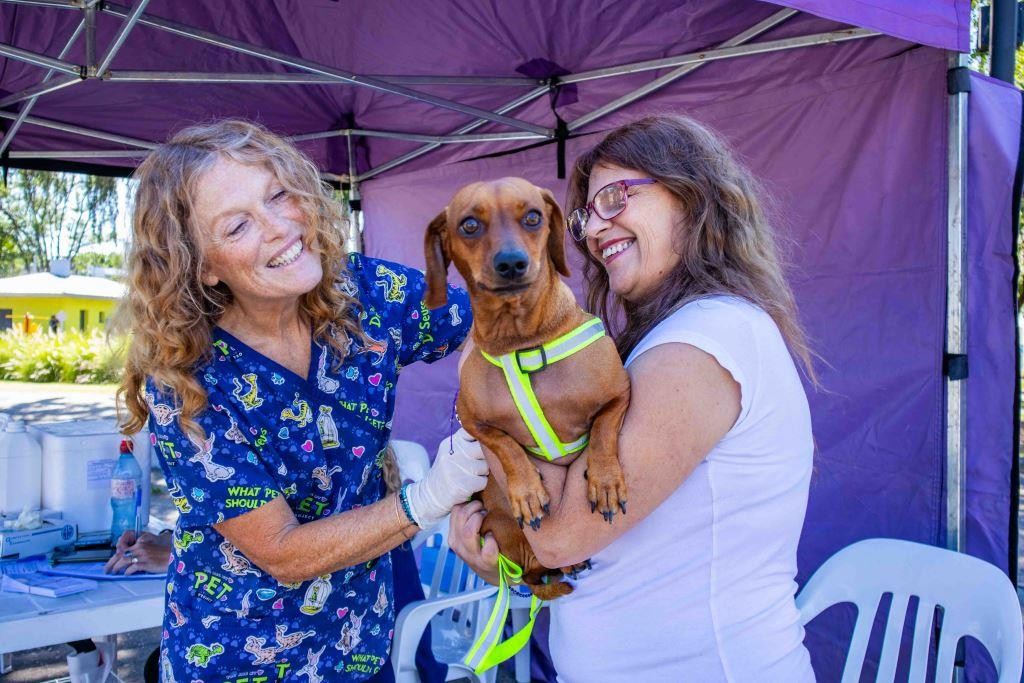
608, 203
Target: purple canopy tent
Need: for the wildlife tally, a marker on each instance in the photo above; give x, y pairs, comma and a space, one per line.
895, 195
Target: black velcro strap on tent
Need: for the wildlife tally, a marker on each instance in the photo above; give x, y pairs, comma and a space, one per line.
561, 135
954, 366
958, 80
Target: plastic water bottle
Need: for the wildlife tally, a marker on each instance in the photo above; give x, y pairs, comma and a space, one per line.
20, 469
125, 493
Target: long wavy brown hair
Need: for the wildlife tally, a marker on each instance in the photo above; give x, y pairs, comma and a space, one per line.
725, 243
168, 311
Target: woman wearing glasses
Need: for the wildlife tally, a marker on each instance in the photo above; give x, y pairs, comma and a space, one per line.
696, 582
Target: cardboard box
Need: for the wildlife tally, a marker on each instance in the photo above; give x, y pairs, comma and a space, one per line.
20, 543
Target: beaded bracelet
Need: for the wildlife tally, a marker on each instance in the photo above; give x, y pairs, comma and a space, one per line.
403, 497
407, 532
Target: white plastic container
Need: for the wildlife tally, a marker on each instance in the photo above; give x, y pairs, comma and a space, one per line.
78, 458
20, 469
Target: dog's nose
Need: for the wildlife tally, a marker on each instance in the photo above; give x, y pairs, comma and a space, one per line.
511, 264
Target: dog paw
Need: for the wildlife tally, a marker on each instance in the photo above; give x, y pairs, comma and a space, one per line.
575, 570
606, 491
550, 591
529, 502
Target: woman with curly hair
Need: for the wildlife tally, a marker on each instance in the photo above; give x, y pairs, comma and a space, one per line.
697, 581
265, 365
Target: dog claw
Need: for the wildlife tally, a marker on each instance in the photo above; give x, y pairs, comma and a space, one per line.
535, 523
622, 506
593, 507
546, 508
520, 520
585, 475
608, 515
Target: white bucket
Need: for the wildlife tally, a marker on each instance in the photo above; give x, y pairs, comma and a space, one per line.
20, 470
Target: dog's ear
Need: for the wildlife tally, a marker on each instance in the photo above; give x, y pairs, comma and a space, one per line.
556, 233
437, 262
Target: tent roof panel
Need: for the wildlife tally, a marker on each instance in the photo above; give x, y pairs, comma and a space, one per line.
538, 39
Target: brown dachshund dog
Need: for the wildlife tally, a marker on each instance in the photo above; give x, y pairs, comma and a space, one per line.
505, 237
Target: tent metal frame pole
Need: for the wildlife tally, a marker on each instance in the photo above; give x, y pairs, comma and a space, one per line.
56, 4
27, 108
716, 54
416, 137
79, 130
1003, 39
304, 79
90, 38
82, 154
39, 89
409, 156
39, 60
122, 35
620, 102
354, 239
91, 71
956, 313
347, 77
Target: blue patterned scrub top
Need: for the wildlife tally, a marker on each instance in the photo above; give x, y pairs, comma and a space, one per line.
319, 442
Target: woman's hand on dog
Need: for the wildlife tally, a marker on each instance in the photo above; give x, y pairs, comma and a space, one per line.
464, 539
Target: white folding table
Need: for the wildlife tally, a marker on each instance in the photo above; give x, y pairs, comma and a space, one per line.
31, 621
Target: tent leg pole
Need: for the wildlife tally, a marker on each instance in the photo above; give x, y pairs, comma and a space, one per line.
956, 314
1003, 39
354, 238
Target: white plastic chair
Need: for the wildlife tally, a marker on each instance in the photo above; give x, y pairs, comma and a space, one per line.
977, 600
457, 606
454, 630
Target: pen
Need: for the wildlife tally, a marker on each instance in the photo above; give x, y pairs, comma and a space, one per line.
138, 508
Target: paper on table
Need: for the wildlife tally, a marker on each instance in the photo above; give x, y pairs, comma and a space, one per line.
94, 571
45, 585
18, 567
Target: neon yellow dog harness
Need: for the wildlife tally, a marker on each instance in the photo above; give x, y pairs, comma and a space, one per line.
517, 368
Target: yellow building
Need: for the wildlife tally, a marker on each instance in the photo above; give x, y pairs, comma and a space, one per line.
80, 302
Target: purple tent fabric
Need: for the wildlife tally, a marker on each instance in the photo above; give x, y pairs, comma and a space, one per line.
848, 139
939, 23
424, 38
994, 127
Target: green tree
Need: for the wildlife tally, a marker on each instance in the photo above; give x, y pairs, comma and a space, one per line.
46, 215
82, 262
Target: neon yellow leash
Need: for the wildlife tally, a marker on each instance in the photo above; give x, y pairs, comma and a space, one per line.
487, 652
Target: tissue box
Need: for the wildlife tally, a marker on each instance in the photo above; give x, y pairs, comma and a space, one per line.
22, 543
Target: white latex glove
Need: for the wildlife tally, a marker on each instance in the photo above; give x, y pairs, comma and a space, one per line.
451, 480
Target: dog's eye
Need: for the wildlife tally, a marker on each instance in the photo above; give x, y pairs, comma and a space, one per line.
469, 226
532, 218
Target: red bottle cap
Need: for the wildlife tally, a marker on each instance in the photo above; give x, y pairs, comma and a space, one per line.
126, 446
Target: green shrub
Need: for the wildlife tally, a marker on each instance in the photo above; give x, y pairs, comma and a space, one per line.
80, 357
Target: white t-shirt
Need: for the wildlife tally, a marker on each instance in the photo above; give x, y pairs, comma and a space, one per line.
702, 589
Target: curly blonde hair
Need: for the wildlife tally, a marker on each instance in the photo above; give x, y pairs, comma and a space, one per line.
168, 310
724, 241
